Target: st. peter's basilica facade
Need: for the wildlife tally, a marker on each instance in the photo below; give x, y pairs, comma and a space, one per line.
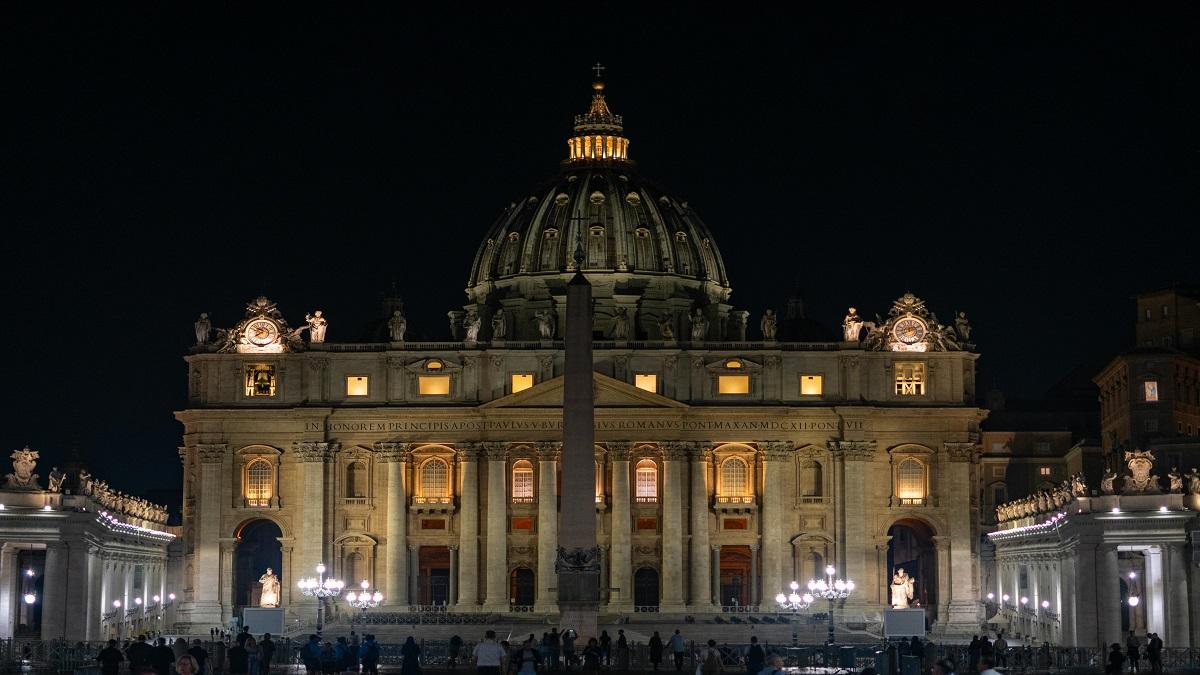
732, 456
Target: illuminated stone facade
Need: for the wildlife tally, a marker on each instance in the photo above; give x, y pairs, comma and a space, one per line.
725, 467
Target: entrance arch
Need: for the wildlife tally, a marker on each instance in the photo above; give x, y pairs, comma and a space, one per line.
645, 587
521, 588
258, 548
911, 547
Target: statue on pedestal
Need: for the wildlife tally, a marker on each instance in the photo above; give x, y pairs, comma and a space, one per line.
203, 328
397, 325
472, 323
699, 325
962, 327
1106, 483
620, 329
55, 479
902, 589
664, 327
499, 325
270, 589
1193, 482
545, 321
316, 327
768, 324
852, 325
23, 477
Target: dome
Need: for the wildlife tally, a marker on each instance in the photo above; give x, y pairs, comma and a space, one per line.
646, 253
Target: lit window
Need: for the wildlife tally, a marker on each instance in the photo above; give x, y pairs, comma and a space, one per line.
646, 484
434, 385
1150, 387
259, 483
735, 480
811, 385
733, 363
433, 364
356, 385
647, 381
910, 379
521, 381
522, 482
733, 384
260, 380
910, 482
435, 478
1044, 471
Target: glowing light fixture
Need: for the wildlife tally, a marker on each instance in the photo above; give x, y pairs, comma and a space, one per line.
30, 598
1133, 601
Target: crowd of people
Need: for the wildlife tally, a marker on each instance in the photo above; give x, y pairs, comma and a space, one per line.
1132, 656
241, 655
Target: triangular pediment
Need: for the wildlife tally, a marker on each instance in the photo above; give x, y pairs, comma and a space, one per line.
607, 392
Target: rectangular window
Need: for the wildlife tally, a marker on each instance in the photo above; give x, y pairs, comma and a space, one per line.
733, 384
910, 379
356, 385
431, 524
647, 523
1043, 471
1150, 389
811, 385
522, 523
260, 380
521, 381
1042, 446
433, 385
646, 381
735, 524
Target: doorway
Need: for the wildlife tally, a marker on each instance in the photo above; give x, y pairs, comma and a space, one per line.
911, 548
258, 548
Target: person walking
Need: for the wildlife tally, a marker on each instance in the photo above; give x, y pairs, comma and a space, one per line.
489, 655
410, 655
656, 650
756, 659
678, 649
110, 659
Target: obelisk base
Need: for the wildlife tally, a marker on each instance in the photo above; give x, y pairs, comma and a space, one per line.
579, 604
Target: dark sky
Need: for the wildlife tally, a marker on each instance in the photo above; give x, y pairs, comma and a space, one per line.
1035, 166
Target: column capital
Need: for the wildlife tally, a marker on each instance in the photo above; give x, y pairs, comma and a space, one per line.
853, 451
618, 451
453, 547
413, 548
677, 450
962, 452
307, 451
716, 548
393, 452
548, 451
495, 451
468, 451
776, 451
210, 453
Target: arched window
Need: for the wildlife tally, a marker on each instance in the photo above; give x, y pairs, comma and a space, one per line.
646, 481
435, 478
735, 478
354, 571
522, 482
356, 480
810, 480
260, 483
599, 482
910, 482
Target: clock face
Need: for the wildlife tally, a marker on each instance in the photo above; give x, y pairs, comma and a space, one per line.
261, 332
909, 330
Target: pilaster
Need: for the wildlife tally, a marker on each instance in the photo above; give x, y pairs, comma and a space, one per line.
396, 456
620, 561
701, 570
497, 598
468, 528
775, 458
547, 532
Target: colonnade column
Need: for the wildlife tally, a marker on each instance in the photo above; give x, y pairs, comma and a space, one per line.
716, 575
776, 457
95, 594
701, 595
1176, 591
414, 579
453, 599
497, 599
8, 589
468, 528
620, 562
674, 454
395, 456
206, 603
76, 589
755, 575
1108, 597
54, 591
547, 526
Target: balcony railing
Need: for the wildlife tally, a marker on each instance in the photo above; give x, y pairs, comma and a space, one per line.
734, 500
432, 501
646, 500
520, 608
523, 500
651, 609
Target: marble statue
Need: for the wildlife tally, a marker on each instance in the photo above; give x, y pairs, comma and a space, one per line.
1106, 483
545, 321
902, 589
397, 326
55, 480
499, 325
1175, 480
768, 324
1193, 482
664, 327
270, 590
316, 327
472, 323
620, 328
962, 326
852, 325
23, 477
1078, 486
699, 325
203, 328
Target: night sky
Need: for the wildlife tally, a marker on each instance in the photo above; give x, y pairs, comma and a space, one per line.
1035, 167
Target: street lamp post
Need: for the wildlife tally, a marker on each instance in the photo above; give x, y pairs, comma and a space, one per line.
794, 602
321, 588
831, 589
363, 601
118, 618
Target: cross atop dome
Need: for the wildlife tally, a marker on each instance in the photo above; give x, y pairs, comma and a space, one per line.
599, 70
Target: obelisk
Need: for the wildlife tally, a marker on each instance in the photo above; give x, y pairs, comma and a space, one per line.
578, 563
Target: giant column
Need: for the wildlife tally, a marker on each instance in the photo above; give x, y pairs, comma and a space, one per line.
206, 584
578, 563
1176, 592
468, 529
395, 457
674, 454
701, 595
963, 609
774, 520
547, 526
313, 458
621, 557
497, 599
54, 592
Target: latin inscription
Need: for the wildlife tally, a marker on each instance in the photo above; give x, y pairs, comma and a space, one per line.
601, 425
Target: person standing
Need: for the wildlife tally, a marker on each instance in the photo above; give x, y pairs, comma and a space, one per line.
1154, 653
355, 649
138, 653
198, 652
1000, 650
986, 667
243, 636
774, 666
310, 655
410, 654
756, 659
656, 650
678, 649
370, 654
453, 652
238, 659
186, 665
110, 659
710, 660
605, 648
591, 656
161, 657
266, 653
489, 655
1116, 660
622, 651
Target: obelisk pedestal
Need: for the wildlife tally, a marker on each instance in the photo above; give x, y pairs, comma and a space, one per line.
578, 562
